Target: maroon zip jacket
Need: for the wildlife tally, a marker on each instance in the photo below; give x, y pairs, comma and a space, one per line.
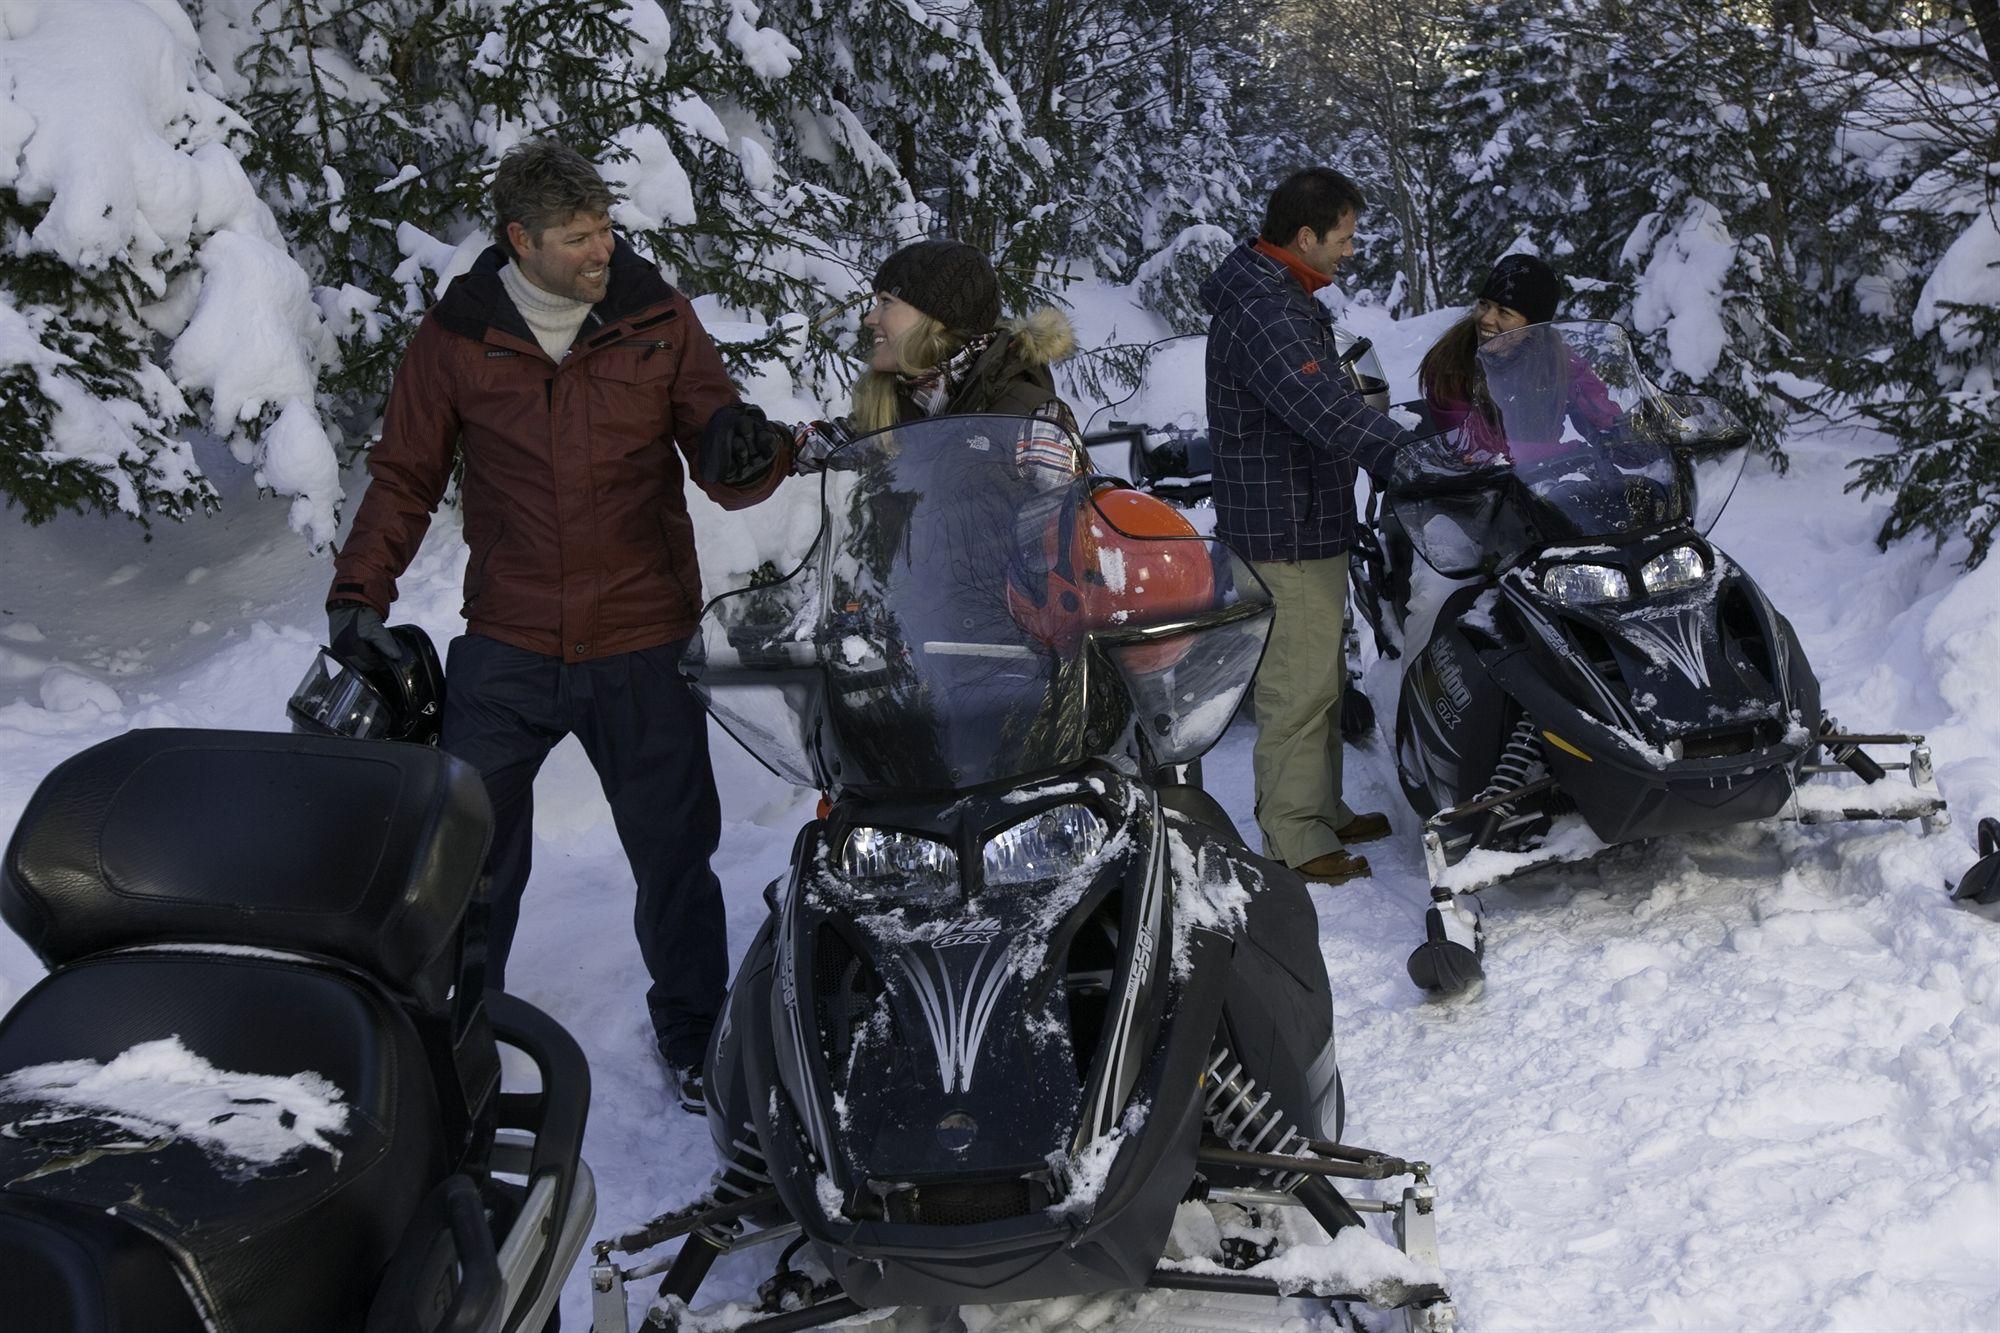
581, 542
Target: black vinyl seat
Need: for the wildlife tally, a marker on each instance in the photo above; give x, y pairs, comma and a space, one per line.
82, 1271
312, 936
286, 1244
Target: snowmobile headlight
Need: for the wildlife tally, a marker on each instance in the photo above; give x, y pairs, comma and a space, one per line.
917, 864
1681, 567
1580, 585
1042, 846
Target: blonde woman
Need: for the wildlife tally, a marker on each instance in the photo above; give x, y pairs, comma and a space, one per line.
941, 348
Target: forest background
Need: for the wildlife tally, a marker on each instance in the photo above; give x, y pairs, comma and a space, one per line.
225, 216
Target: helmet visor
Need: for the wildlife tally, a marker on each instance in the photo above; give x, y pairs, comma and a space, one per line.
335, 699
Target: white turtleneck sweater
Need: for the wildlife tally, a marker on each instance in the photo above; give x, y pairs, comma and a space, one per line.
553, 319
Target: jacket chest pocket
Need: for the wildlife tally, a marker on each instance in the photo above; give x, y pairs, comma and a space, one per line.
501, 390
628, 389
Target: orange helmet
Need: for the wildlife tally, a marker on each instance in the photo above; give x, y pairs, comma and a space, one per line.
1105, 569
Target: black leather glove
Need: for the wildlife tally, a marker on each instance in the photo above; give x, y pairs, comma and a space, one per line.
738, 446
357, 636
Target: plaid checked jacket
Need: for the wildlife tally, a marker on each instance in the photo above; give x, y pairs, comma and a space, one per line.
1285, 426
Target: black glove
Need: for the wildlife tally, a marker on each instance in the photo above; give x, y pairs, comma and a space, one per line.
738, 446
357, 636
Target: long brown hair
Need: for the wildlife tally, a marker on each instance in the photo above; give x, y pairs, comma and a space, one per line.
1449, 372
924, 344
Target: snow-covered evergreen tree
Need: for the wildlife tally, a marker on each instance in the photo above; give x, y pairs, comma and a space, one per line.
148, 289
740, 173
1926, 130
1364, 78
1134, 104
1524, 137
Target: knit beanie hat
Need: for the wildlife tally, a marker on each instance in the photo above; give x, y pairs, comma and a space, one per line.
1526, 284
947, 280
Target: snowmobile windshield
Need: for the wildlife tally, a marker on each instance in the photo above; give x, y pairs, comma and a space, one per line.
1567, 442
978, 609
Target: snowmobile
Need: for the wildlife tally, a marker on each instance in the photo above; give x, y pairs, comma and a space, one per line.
1022, 996
1603, 674
1981, 884
1170, 462
260, 1087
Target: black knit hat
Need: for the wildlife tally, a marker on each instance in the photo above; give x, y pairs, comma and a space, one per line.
1526, 284
947, 280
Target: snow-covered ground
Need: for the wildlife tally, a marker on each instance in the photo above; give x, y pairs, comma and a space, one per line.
1750, 1080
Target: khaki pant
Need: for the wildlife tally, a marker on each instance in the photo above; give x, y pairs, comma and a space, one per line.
1297, 697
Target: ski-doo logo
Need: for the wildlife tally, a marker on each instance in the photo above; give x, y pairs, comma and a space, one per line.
1450, 678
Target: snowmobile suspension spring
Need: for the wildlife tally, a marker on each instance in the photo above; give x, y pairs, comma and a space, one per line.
1520, 763
1247, 1121
744, 1172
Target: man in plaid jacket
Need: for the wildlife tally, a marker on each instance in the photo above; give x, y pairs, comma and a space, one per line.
1288, 429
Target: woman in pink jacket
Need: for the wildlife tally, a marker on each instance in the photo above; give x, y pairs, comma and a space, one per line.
1549, 388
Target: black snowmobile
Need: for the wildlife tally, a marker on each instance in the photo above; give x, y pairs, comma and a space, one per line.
260, 1087
1604, 674
1020, 997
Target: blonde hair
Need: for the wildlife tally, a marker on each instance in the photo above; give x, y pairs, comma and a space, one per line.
923, 345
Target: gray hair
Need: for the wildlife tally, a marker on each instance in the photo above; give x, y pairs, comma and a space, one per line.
542, 184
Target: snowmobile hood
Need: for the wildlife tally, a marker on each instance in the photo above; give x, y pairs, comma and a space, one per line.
952, 1047
1245, 276
1706, 672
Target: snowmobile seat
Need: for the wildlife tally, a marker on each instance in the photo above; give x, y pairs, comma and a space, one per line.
85, 1272
248, 1049
364, 852
272, 1125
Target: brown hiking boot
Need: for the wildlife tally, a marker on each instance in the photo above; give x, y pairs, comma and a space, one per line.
1334, 868
1363, 828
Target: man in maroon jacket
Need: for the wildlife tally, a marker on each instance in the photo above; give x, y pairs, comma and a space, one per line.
571, 380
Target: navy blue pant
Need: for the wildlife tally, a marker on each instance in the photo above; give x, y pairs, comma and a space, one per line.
505, 708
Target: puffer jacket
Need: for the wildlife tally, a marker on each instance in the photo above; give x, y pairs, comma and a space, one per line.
581, 545
1286, 427
1012, 377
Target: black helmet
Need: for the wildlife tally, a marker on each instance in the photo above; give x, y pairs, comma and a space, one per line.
401, 702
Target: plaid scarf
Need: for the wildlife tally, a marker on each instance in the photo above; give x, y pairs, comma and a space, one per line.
932, 390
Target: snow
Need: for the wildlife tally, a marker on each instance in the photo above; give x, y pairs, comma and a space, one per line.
1968, 274
1744, 1080
161, 1090
653, 187
108, 125
768, 52
1683, 286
